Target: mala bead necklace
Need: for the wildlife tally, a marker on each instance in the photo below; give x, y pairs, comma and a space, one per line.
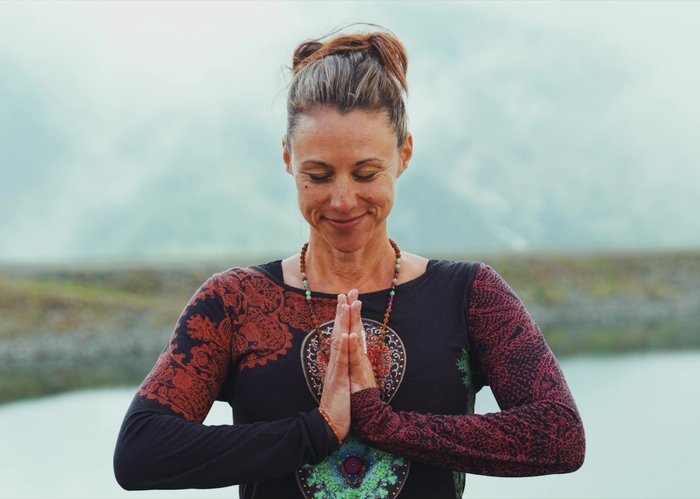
392, 291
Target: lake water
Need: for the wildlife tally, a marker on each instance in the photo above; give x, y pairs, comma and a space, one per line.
641, 414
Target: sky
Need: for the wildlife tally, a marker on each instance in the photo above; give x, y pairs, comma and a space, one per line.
151, 130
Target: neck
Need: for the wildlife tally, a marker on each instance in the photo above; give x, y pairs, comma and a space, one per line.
367, 269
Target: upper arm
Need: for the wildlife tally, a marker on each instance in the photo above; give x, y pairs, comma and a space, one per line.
509, 348
190, 372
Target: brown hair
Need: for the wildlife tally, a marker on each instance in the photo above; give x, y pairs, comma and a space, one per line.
351, 71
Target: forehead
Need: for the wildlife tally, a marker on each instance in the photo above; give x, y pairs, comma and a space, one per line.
326, 131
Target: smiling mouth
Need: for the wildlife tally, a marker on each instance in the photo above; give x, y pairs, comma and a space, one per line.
345, 224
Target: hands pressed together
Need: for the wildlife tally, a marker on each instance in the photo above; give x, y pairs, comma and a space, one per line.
349, 370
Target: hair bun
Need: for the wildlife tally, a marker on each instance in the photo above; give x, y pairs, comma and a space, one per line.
382, 46
303, 52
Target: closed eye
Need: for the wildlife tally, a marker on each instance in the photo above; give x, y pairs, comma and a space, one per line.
319, 178
365, 177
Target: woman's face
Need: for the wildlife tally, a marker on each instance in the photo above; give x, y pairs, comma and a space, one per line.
345, 167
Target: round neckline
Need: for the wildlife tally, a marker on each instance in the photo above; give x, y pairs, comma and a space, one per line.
430, 265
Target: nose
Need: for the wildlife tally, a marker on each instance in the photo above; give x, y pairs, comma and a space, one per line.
343, 197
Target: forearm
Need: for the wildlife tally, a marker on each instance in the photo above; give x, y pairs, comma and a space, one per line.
162, 451
538, 438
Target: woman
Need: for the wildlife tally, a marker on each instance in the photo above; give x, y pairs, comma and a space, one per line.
352, 366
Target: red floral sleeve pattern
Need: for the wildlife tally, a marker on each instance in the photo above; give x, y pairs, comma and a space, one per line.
190, 372
240, 318
538, 430
262, 323
233, 322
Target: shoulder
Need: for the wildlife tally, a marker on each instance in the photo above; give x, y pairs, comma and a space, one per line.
444, 281
488, 281
446, 266
412, 266
491, 295
480, 282
235, 283
461, 273
240, 274
269, 271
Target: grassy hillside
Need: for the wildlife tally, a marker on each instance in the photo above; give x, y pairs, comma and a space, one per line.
74, 327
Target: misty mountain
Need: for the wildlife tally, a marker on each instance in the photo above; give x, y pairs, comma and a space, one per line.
528, 137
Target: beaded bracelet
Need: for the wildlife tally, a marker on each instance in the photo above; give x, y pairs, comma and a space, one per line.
328, 421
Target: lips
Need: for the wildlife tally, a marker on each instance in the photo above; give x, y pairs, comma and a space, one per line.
345, 224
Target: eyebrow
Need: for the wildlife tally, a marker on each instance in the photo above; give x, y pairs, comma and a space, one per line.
326, 165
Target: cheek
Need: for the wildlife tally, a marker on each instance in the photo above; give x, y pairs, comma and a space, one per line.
302, 191
381, 196
308, 197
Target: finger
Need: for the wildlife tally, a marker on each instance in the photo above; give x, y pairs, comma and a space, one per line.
342, 298
345, 319
353, 296
337, 369
356, 325
356, 317
328, 343
339, 352
341, 310
356, 350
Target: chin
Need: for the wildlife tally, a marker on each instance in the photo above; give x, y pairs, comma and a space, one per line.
346, 243
349, 246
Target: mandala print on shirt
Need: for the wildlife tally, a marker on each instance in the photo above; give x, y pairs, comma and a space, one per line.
355, 469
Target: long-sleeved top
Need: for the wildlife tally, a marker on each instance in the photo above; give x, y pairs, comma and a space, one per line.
247, 338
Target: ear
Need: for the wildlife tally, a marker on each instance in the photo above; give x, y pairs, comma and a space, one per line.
287, 155
405, 153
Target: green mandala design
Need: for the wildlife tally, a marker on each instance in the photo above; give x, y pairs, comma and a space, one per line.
382, 476
464, 369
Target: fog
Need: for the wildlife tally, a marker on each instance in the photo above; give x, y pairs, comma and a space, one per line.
152, 130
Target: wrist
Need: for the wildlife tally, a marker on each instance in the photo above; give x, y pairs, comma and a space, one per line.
365, 402
368, 411
331, 426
